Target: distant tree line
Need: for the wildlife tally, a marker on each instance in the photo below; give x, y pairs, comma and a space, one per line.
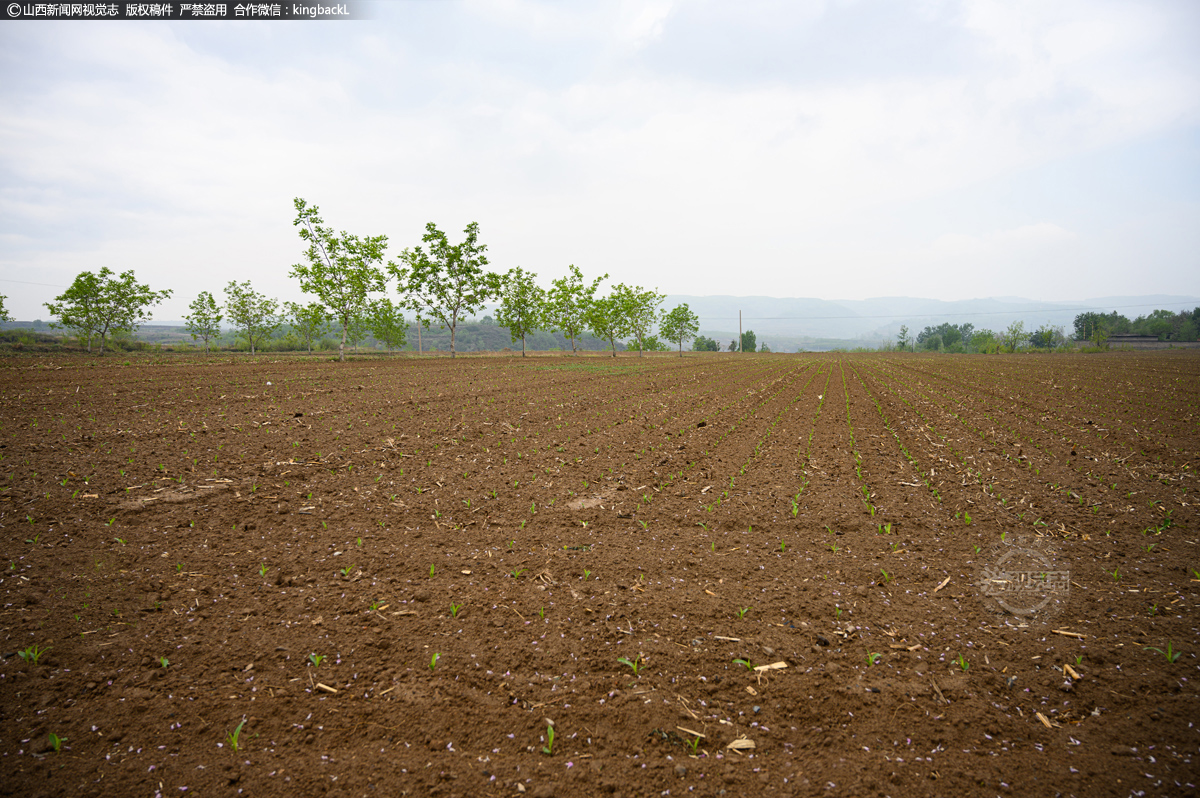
1161, 324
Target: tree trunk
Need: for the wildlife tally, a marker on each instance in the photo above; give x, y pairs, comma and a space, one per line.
681, 347
522, 346
453, 330
420, 346
342, 345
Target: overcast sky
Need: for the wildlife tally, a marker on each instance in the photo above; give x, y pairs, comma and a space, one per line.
838, 149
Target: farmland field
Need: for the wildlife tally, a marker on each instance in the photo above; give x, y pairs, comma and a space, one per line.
868, 574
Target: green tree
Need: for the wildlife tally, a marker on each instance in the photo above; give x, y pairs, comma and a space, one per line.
388, 324
522, 305
680, 325
3, 311
705, 344
903, 342
99, 304
342, 270
567, 303
606, 319
638, 309
204, 322
733, 345
253, 314
447, 284
749, 341
309, 322
1014, 337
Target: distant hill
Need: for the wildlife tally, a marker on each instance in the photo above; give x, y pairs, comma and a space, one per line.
788, 323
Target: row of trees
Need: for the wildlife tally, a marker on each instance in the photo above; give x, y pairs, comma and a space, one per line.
442, 283
965, 338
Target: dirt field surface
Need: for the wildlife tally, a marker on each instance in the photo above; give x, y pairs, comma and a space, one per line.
864, 575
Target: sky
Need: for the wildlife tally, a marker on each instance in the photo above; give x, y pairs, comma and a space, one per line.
837, 149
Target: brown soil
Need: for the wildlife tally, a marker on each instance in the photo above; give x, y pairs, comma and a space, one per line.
479, 548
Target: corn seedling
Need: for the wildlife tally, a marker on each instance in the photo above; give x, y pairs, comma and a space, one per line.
56, 742
873, 658
548, 748
433, 661
262, 570
744, 662
454, 608
32, 654
232, 737
635, 664
1170, 653
694, 744
742, 612
962, 663
316, 659
431, 570
586, 574
163, 662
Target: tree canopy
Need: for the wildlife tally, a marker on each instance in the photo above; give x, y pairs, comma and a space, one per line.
342, 270
446, 283
567, 303
252, 313
204, 322
680, 325
99, 304
522, 305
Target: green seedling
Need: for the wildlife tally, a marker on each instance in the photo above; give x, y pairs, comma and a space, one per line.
163, 662
454, 608
548, 748
56, 742
694, 744
586, 574
262, 569
886, 576
1114, 573
360, 543
640, 521
316, 659
744, 662
516, 573
962, 663
873, 658
1170, 653
431, 569
232, 737
32, 654
433, 661
742, 612
635, 664
542, 613
782, 546
346, 571
967, 518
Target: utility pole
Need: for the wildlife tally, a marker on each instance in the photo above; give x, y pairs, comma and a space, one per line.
739, 331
